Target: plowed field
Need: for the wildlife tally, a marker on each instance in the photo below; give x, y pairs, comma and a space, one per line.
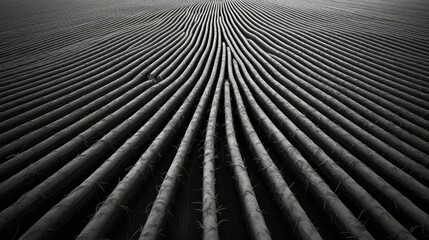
222, 119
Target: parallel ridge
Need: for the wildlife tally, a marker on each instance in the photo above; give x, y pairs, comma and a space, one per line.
227, 119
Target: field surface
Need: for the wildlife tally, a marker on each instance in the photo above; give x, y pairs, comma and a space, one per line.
221, 119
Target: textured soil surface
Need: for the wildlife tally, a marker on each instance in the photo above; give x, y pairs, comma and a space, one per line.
221, 119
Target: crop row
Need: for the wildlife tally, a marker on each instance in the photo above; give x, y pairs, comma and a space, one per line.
228, 119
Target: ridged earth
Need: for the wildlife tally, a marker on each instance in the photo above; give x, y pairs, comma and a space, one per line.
225, 119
